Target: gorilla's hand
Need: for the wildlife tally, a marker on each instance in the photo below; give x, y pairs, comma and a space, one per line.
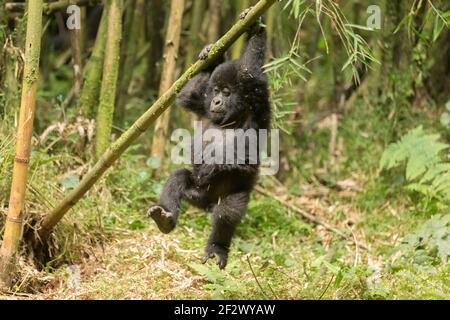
254, 28
205, 52
244, 13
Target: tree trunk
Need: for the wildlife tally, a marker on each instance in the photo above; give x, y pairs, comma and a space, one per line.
143, 123
129, 49
167, 77
14, 220
109, 82
94, 70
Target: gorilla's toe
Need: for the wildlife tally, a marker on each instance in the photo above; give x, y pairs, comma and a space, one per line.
164, 219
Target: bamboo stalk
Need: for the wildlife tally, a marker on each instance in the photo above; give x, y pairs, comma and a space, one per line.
129, 54
110, 75
270, 27
167, 77
144, 122
194, 32
14, 220
10, 85
214, 20
155, 17
77, 64
94, 70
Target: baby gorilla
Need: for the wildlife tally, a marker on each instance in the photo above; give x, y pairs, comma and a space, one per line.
229, 95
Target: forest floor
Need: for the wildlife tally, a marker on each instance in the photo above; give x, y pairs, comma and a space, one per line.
288, 260
107, 249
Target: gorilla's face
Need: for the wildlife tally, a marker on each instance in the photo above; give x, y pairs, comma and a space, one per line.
223, 102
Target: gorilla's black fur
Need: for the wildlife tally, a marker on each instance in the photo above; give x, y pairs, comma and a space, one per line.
229, 95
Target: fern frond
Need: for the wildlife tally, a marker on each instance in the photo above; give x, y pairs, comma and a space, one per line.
422, 154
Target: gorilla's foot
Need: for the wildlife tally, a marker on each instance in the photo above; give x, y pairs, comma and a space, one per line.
216, 251
164, 219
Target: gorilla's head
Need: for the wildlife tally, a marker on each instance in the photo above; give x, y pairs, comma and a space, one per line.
224, 103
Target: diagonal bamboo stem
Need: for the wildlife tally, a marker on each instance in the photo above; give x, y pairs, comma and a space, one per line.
14, 220
143, 123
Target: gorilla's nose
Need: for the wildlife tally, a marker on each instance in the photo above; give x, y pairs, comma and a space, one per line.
217, 105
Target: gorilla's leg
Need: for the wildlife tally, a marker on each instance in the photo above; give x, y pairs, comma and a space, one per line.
226, 216
178, 186
166, 213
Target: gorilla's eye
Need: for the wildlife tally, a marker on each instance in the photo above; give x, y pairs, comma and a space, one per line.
216, 90
226, 92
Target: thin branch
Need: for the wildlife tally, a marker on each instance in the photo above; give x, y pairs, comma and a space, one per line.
326, 288
256, 278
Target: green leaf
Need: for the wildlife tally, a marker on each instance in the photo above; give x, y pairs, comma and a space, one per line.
422, 153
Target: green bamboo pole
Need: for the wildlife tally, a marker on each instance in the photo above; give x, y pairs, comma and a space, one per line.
94, 70
144, 122
110, 75
14, 219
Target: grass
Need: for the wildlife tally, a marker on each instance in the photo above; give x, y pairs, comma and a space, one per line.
106, 249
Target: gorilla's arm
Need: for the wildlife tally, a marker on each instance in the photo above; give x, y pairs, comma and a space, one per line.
192, 96
252, 59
